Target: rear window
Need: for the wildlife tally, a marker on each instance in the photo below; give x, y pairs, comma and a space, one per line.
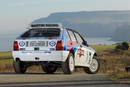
44, 32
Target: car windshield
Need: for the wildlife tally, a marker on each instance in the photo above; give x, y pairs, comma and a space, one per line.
44, 32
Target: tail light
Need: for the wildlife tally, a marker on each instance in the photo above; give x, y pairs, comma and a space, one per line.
16, 47
59, 45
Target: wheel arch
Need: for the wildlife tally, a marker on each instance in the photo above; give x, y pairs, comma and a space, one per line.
95, 54
72, 51
17, 59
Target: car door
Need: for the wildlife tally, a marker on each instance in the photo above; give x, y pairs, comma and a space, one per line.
73, 45
82, 52
72, 42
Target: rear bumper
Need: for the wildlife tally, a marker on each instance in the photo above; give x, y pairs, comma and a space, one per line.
41, 55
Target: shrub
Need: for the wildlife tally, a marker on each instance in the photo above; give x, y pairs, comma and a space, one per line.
122, 46
125, 46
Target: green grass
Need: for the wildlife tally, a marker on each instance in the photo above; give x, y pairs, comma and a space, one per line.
119, 76
6, 61
100, 48
6, 65
4, 55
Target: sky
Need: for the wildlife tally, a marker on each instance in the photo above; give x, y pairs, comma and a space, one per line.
15, 15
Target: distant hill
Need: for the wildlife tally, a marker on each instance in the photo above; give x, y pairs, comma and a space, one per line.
90, 23
122, 33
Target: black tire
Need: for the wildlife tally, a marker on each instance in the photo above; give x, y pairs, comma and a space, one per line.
66, 65
19, 67
49, 68
89, 70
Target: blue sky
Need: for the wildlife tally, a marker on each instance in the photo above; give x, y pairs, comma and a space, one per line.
15, 15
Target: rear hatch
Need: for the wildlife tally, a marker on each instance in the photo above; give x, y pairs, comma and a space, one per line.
44, 39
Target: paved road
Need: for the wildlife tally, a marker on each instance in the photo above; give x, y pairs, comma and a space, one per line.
56, 80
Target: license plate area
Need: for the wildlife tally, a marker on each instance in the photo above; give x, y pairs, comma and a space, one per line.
37, 44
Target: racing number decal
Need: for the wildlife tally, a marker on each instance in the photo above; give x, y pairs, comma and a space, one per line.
80, 52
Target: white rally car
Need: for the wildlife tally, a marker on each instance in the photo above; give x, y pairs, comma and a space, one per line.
52, 47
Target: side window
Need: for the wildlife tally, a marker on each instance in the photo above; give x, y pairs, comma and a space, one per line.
79, 39
68, 36
72, 36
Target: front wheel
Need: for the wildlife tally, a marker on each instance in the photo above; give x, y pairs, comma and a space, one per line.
94, 67
68, 67
19, 67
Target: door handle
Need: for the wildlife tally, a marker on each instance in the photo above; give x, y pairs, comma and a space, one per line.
81, 46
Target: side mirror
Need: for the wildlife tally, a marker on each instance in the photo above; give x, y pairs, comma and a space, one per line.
86, 43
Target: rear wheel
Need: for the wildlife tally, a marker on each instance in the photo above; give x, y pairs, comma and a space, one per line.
68, 67
94, 67
49, 68
19, 67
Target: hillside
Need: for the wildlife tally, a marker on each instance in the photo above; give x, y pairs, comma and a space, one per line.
122, 33
90, 23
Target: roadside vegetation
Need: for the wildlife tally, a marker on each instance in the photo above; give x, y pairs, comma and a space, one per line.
5, 55
112, 58
6, 64
115, 60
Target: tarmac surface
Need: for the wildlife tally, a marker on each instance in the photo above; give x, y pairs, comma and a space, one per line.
57, 80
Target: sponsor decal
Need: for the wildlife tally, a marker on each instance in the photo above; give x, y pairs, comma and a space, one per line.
80, 52
47, 52
52, 43
52, 49
21, 44
27, 52
45, 25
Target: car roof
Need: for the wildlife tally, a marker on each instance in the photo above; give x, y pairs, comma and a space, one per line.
75, 32
72, 30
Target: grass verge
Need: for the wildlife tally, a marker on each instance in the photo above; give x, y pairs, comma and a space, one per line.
5, 55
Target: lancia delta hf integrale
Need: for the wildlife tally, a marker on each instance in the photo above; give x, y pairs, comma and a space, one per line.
52, 47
